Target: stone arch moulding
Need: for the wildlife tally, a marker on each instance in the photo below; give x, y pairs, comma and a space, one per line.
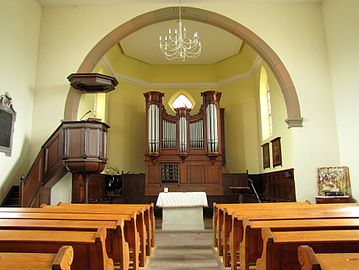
294, 118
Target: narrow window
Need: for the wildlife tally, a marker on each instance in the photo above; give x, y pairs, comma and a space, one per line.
265, 105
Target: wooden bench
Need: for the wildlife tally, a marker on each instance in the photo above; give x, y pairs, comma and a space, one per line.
219, 216
61, 260
131, 234
250, 248
224, 218
89, 247
116, 246
146, 212
280, 249
106, 209
326, 261
233, 219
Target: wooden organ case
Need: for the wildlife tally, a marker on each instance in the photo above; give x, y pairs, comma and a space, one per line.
183, 152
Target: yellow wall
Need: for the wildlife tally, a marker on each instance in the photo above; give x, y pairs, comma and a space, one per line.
238, 64
19, 34
280, 129
241, 126
126, 105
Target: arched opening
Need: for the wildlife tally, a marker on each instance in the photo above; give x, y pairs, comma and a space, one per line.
181, 101
294, 118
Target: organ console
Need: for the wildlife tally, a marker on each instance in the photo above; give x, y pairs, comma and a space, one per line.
183, 151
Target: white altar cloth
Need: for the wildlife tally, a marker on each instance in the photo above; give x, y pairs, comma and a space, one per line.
182, 199
182, 210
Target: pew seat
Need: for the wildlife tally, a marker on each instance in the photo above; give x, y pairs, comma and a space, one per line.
89, 247
61, 260
309, 260
116, 246
280, 248
234, 223
131, 233
251, 245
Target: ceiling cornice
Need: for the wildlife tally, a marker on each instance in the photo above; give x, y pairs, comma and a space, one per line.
189, 85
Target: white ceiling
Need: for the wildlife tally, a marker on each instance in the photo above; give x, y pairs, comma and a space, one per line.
217, 44
50, 3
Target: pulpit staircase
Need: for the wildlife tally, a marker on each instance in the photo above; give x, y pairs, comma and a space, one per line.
12, 199
75, 146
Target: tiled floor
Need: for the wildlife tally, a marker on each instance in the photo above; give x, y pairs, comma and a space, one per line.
177, 250
184, 250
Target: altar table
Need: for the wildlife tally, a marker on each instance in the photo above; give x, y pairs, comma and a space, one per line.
182, 210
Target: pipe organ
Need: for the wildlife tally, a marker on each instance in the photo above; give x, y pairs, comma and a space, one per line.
183, 151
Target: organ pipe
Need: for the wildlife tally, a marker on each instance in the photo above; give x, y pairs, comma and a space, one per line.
153, 128
212, 108
183, 132
153, 105
182, 115
168, 134
196, 134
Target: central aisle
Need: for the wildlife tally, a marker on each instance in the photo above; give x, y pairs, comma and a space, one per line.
192, 250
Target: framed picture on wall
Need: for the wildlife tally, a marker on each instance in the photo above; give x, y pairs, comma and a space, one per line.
276, 152
266, 159
7, 120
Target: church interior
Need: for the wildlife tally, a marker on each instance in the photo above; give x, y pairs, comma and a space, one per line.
250, 127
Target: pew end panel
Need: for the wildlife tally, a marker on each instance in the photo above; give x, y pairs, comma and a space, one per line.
61, 260
307, 258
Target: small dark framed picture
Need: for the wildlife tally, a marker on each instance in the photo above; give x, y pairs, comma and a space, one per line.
266, 159
276, 152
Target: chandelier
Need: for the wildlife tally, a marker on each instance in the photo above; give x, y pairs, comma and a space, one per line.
177, 45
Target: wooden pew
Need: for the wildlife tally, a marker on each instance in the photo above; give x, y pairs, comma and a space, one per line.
146, 211
144, 220
89, 247
235, 220
224, 226
131, 234
280, 248
142, 213
61, 260
326, 261
237, 232
113, 209
251, 246
219, 216
116, 246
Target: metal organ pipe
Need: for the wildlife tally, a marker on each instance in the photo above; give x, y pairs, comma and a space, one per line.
153, 128
212, 128
157, 129
208, 121
196, 134
201, 138
183, 134
164, 134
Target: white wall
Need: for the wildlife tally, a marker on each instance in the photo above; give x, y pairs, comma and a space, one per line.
341, 22
62, 190
19, 34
